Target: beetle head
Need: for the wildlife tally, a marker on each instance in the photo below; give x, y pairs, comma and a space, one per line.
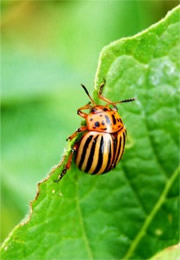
99, 109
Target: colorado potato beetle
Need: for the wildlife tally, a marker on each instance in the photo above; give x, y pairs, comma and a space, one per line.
102, 143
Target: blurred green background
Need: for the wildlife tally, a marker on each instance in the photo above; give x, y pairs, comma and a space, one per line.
48, 48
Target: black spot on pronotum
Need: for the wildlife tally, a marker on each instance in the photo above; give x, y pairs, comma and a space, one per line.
114, 119
96, 124
91, 119
108, 121
120, 128
105, 109
119, 120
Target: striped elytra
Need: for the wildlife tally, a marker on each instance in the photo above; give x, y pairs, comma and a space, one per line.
99, 152
102, 143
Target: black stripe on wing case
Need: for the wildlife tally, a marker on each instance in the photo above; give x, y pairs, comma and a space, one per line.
84, 150
90, 159
109, 159
100, 156
124, 140
119, 149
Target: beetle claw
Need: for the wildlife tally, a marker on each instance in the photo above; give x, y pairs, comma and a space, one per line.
60, 176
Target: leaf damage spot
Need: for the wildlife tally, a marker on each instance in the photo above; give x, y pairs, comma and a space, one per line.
60, 194
158, 232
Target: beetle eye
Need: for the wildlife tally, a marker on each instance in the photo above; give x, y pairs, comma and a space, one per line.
93, 110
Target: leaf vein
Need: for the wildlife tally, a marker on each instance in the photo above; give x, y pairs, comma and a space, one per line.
152, 214
133, 189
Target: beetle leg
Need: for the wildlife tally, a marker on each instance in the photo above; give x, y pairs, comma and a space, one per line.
110, 102
68, 164
82, 114
104, 98
79, 130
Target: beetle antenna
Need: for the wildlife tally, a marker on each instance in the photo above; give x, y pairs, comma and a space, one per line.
85, 89
125, 100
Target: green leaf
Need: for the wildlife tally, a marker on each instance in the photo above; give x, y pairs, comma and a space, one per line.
131, 212
38, 73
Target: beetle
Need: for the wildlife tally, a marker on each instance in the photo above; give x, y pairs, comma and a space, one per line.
102, 143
